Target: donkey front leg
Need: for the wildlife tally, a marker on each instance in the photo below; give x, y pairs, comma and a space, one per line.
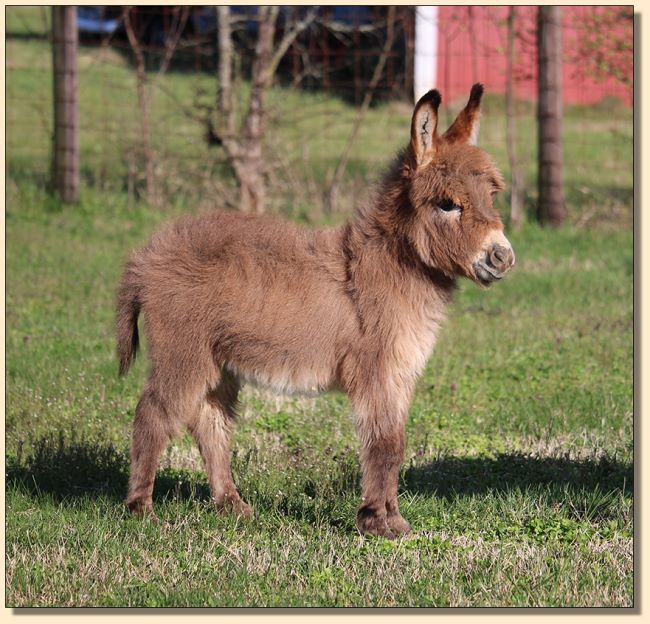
382, 451
394, 519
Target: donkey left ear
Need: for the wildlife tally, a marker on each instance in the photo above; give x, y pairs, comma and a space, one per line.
424, 137
465, 128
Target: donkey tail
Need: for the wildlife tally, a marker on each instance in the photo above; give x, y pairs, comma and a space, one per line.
128, 309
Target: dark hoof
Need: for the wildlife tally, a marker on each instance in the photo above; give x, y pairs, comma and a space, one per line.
398, 525
236, 507
372, 523
242, 510
142, 509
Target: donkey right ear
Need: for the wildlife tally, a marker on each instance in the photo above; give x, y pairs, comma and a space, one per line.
424, 124
465, 128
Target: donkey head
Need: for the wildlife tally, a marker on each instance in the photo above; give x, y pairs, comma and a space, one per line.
452, 182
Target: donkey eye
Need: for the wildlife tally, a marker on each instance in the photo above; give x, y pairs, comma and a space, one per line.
447, 205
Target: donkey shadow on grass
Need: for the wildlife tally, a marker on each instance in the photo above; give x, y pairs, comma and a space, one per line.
448, 477
64, 470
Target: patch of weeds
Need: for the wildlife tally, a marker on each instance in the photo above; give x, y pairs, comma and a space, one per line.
280, 423
277, 422
429, 544
614, 528
324, 575
433, 545
596, 504
560, 530
373, 545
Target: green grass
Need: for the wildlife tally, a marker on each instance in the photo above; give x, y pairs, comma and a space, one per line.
34, 21
518, 479
518, 476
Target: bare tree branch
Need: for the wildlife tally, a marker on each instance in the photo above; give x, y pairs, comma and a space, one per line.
145, 98
341, 28
181, 15
289, 38
332, 193
143, 102
226, 108
266, 32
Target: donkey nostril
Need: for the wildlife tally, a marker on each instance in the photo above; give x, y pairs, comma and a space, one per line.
500, 257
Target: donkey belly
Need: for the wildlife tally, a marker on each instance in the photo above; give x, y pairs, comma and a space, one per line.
285, 381
284, 342
282, 366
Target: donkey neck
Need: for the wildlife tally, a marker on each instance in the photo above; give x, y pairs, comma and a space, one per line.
383, 270
379, 234
400, 305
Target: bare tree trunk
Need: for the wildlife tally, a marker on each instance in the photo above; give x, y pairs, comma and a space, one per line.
65, 161
226, 109
245, 150
517, 187
331, 197
143, 103
551, 208
252, 189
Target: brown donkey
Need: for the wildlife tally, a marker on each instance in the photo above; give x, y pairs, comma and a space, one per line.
229, 298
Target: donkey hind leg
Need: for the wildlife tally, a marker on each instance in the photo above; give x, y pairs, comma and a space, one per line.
211, 430
152, 431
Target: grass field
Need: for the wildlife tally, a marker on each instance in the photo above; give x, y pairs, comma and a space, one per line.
519, 473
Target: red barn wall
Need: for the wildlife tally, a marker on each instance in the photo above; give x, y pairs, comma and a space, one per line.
472, 48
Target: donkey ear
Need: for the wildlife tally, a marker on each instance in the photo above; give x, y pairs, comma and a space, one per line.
465, 128
423, 127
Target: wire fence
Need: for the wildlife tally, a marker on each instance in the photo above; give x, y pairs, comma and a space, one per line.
321, 81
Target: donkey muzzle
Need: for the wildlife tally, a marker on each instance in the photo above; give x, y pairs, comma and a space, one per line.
494, 262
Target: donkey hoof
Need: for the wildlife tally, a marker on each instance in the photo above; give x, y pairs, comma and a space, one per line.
236, 507
242, 510
398, 525
142, 509
370, 523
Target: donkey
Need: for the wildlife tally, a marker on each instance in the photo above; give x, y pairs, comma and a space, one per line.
231, 298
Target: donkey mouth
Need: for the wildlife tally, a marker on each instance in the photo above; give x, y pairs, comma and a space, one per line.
485, 274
